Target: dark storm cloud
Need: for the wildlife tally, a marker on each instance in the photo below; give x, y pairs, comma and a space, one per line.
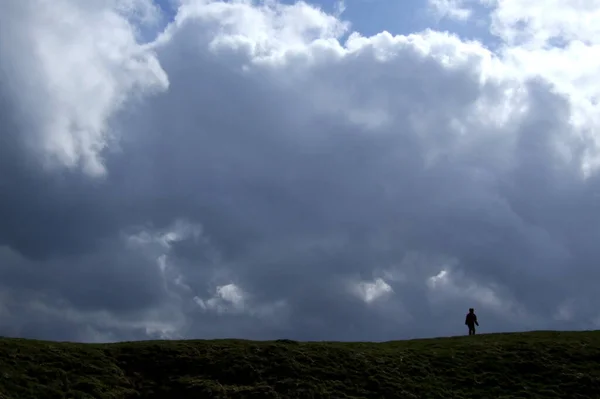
292, 180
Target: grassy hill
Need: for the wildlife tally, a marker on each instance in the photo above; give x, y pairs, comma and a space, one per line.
528, 365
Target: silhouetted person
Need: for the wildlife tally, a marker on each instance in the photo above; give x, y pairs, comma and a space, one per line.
471, 321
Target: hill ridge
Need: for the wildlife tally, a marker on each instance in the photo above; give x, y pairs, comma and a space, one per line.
536, 364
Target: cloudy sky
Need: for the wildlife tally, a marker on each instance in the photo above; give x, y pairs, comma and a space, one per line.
358, 170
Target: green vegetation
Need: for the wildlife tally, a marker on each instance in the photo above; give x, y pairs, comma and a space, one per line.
529, 365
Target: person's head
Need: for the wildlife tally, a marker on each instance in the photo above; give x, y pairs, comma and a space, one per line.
471, 310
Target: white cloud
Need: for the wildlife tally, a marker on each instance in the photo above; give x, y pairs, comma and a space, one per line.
556, 40
227, 298
81, 65
537, 25
339, 8
230, 299
370, 291
452, 9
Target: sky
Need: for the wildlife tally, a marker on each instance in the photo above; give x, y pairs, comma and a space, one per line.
359, 170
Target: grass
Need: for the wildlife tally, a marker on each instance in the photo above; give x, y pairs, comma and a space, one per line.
524, 365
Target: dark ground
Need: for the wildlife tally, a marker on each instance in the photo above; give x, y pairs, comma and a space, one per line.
526, 365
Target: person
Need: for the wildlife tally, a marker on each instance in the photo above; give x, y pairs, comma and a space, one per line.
471, 321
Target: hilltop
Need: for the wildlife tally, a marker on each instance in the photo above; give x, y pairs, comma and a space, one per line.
524, 365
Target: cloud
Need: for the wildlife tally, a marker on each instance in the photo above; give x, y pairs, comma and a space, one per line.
556, 42
371, 291
67, 85
560, 20
339, 8
452, 9
251, 173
